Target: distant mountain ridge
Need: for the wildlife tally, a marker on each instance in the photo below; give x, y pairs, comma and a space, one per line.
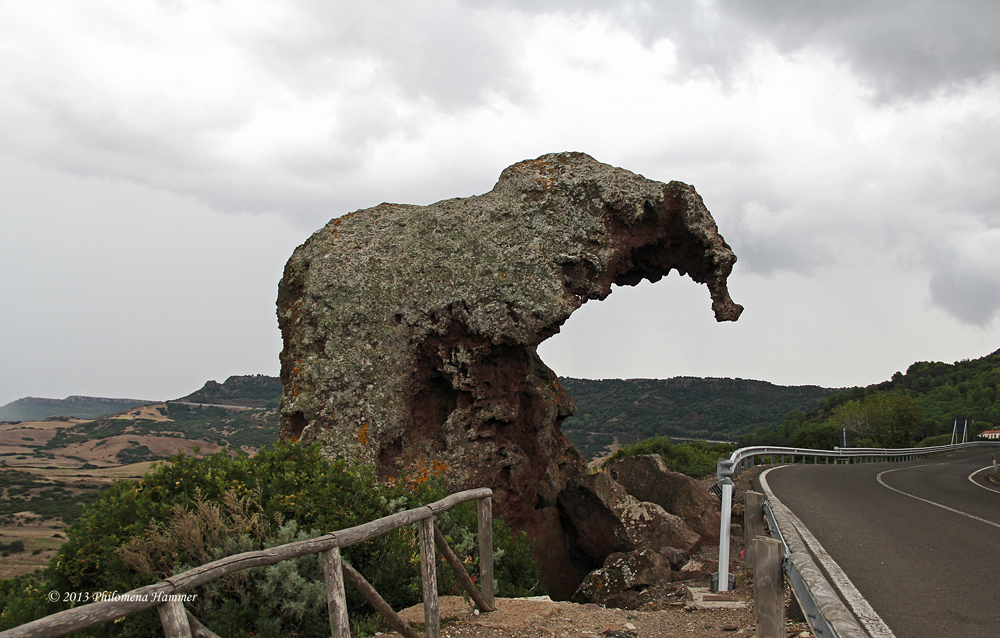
721, 409
254, 391
38, 409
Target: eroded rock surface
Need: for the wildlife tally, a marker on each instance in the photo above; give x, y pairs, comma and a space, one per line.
410, 331
623, 572
603, 519
647, 478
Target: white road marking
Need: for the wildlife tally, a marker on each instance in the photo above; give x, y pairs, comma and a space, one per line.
985, 487
859, 605
929, 502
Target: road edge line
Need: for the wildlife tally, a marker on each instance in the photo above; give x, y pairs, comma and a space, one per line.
853, 598
973, 481
930, 502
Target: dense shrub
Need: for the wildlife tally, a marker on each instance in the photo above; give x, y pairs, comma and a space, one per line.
189, 511
694, 458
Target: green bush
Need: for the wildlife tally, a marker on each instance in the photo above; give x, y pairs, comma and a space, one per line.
189, 511
932, 441
694, 458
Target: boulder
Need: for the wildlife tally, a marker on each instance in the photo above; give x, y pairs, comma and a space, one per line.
410, 332
647, 478
690, 570
676, 557
602, 519
621, 572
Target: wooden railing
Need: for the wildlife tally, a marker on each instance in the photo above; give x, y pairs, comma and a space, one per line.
168, 595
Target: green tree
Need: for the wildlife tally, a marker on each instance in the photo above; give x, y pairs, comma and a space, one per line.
882, 419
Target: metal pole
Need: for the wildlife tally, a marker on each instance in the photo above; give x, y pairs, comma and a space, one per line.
724, 470
727, 507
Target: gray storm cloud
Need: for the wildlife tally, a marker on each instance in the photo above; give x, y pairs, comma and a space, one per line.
904, 48
973, 296
847, 149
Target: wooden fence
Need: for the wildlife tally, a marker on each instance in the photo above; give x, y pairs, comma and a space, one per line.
167, 595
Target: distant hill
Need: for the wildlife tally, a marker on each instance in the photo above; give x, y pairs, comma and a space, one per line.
255, 391
145, 433
967, 389
36, 409
87, 431
682, 407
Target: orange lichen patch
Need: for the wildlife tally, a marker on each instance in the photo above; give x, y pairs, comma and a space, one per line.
546, 180
363, 435
421, 471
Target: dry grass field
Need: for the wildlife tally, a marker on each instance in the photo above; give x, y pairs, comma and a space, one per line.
43, 535
50, 469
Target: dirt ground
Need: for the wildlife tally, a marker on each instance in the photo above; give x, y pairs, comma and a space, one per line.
664, 611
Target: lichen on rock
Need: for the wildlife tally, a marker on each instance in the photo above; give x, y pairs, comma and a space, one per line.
410, 331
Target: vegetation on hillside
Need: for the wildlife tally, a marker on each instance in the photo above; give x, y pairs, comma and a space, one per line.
920, 405
46, 499
35, 409
694, 458
189, 511
225, 427
714, 409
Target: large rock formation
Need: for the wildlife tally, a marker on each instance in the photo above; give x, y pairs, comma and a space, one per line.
410, 331
647, 478
601, 518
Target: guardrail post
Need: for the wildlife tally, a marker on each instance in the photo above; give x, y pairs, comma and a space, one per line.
724, 470
769, 588
753, 523
428, 574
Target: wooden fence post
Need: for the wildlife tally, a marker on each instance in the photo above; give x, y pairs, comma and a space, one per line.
769, 588
174, 619
753, 523
428, 574
336, 598
378, 602
460, 573
199, 630
484, 515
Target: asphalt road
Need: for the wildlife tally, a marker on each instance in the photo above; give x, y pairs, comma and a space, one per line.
929, 572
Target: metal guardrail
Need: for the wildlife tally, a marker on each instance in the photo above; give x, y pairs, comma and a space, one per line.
827, 615
814, 586
743, 458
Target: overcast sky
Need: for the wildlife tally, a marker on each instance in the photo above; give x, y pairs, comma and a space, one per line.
161, 159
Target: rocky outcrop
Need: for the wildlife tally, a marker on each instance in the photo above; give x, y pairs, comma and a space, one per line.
647, 478
621, 572
603, 519
254, 391
410, 331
